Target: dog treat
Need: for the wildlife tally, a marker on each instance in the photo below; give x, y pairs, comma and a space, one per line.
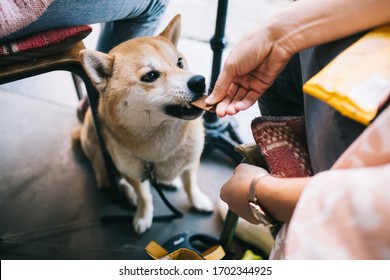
200, 103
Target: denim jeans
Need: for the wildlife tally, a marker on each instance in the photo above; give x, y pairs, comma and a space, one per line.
120, 19
328, 132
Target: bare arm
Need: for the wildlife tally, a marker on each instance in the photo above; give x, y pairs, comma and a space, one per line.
308, 23
278, 196
261, 55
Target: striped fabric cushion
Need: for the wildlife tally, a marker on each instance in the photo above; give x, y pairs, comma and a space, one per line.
42, 44
282, 142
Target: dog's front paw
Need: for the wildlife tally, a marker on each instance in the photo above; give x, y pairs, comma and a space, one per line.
201, 202
143, 219
141, 224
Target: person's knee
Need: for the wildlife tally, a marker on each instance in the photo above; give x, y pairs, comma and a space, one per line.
155, 9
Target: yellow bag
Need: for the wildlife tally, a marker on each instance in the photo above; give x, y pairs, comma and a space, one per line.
357, 82
157, 252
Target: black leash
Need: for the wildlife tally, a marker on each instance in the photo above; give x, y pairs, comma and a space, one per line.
176, 213
114, 214
149, 168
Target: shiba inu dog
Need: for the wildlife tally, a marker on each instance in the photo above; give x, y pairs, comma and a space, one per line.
146, 118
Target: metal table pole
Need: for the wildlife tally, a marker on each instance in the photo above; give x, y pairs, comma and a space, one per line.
220, 133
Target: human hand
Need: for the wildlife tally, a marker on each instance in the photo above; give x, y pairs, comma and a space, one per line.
235, 191
248, 71
261, 55
276, 195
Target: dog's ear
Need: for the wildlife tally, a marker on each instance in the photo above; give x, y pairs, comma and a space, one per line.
173, 30
98, 66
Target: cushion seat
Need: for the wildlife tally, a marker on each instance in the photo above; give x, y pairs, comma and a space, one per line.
42, 44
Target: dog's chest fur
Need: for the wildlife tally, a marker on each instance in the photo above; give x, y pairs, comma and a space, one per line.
166, 150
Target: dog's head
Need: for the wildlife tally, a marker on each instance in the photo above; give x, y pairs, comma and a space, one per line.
146, 75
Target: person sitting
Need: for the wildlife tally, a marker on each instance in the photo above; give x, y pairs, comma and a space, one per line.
340, 212
120, 21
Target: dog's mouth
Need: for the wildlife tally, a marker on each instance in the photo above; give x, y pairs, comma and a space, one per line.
184, 112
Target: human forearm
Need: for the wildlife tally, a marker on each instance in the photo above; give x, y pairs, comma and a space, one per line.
307, 23
279, 196
260, 56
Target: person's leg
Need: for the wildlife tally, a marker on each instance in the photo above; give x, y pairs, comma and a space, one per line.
142, 22
121, 20
128, 19
328, 132
285, 96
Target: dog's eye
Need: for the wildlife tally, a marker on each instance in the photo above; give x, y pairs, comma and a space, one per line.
180, 62
150, 76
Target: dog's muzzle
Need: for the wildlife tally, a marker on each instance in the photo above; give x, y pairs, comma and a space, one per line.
197, 86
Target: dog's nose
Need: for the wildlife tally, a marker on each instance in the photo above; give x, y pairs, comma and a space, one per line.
197, 84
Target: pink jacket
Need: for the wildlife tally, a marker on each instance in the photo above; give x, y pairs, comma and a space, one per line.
344, 213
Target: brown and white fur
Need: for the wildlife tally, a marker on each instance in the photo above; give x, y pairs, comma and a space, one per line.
145, 89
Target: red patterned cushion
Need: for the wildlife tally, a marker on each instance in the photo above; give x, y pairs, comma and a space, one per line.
42, 44
282, 143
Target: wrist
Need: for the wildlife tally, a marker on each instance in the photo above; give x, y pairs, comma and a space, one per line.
258, 211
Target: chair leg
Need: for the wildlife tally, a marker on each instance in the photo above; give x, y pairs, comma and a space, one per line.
78, 85
93, 101
82, 108
82, 96
228, 230
67, 61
